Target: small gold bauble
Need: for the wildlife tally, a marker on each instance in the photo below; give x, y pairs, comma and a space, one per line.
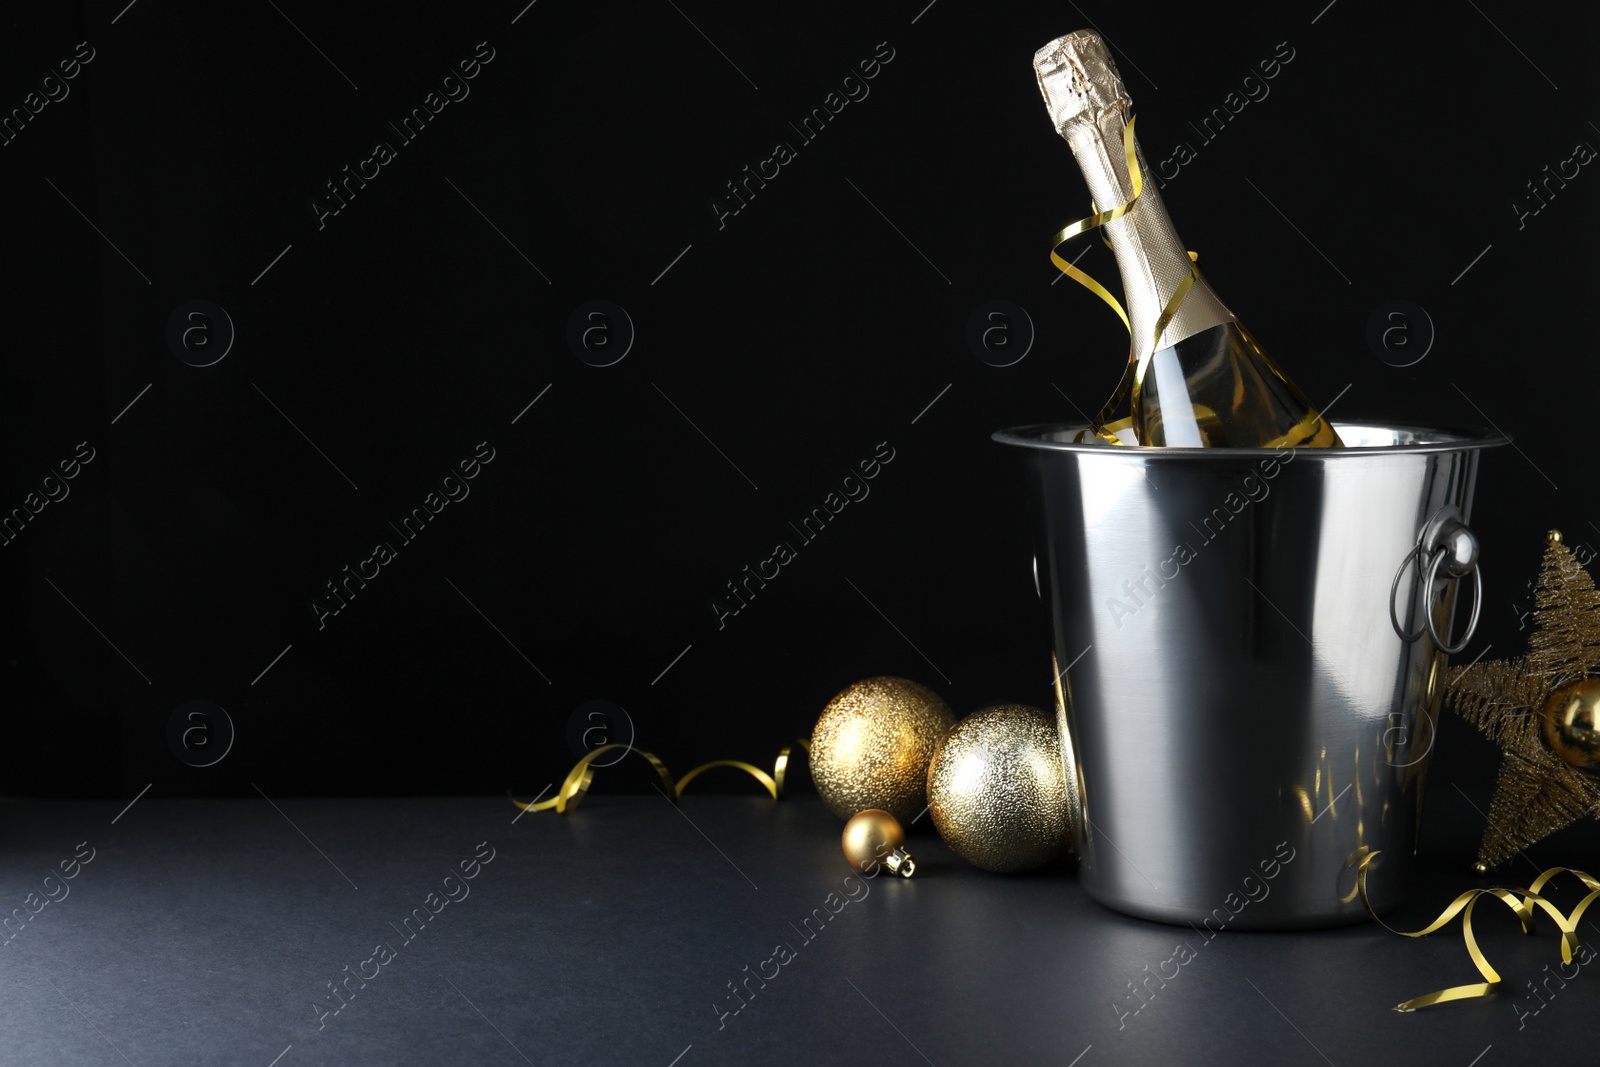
997, 789
872, 837
872, 745
1572, 722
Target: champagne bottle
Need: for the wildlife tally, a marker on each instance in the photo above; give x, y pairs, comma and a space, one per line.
1205, 381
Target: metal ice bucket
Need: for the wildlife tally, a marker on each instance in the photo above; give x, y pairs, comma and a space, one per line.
1252, 647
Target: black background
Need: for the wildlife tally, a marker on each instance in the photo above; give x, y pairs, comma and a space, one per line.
816, 323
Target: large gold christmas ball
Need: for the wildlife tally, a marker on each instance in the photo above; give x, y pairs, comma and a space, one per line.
1572, 722
872, 746
997, 789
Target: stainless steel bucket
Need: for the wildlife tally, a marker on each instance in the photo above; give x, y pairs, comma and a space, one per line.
1252, 647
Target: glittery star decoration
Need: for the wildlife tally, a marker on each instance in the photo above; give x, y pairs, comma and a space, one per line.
1538, 792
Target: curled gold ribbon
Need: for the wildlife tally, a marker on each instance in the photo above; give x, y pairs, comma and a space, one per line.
1096, 220
1133, 373
1167, 315
1303, 430
1520, 901
581, 776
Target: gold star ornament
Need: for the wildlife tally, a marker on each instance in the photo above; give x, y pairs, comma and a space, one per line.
1542, 710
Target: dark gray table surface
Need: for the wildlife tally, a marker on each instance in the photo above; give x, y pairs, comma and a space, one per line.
209, 931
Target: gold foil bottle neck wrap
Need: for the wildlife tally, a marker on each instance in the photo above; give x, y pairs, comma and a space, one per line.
1089, 105
1077, 78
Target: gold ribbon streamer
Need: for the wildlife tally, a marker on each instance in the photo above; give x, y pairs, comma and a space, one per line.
1520, 901
1167, 315
1096, 220
581, 776
1132, 375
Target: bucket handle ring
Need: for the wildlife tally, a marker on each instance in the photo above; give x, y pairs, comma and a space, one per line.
1450, 544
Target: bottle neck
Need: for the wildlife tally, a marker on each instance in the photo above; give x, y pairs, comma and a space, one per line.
1151, 258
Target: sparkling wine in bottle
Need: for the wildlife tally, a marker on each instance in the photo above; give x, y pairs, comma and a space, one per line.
1205, 381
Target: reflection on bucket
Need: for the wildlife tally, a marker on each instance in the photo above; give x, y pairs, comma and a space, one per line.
1253, 645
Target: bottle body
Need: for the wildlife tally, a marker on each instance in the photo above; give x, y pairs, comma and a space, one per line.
1219, 389
1199, 378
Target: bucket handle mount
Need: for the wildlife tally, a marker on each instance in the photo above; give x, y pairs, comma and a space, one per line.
1448, 543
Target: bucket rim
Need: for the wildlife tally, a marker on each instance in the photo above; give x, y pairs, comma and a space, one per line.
1406, 439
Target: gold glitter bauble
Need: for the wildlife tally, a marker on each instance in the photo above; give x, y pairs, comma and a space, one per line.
997, 789
1572, 722
872, 746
